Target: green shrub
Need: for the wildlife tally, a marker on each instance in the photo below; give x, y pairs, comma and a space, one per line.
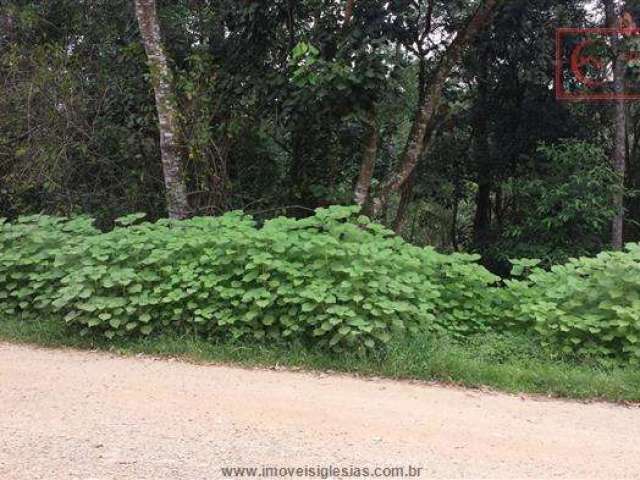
28, 248
561, 208
466, 304
334, 279
590, 306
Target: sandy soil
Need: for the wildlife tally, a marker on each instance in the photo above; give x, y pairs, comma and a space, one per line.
77, 415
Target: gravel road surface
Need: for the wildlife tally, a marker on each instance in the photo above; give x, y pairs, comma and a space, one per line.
86, 415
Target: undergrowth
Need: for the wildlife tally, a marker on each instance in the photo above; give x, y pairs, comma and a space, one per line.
334, 281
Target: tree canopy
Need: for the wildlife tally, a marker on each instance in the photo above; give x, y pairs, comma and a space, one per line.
438, 117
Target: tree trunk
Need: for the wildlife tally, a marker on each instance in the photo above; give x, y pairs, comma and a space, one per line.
406, 196
482, 220
7, 25
619, 165
163, 85
499, 206
291, 25
483, 160
348, 12
618, 155
454, 222
368, 163
424, 118
363, 186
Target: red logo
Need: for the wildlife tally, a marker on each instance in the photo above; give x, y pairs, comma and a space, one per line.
598, 64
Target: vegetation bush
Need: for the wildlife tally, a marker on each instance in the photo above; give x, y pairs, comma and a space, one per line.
590, 306
28, 249
334, 279
564, 208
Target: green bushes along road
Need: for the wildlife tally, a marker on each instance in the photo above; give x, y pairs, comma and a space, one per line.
334, 280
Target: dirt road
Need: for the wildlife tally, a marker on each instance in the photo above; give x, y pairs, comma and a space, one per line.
75, 415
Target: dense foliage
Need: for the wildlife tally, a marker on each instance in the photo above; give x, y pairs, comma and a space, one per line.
564, 206
276, 103
335, 280
588, 305
256, 125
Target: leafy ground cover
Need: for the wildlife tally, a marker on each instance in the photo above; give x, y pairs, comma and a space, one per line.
333, 280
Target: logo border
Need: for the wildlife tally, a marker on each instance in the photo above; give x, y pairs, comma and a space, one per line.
561, 93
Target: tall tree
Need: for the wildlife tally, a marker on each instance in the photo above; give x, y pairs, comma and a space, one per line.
348, 11
163, 85
7, 25
368, 163
482, 155
424, 120
613, 13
